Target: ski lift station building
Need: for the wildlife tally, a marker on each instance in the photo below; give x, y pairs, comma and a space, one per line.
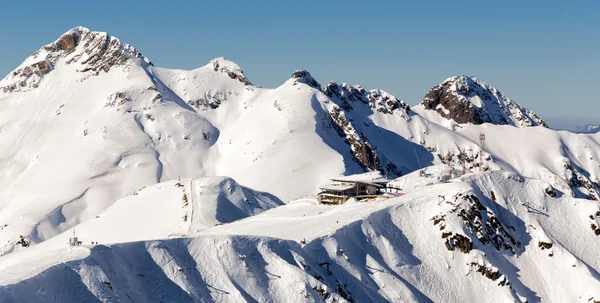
361, 186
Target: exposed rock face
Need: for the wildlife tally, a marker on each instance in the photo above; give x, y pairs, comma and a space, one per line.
345, 99
485, 225
470, 100
361, 149
377, 99
581, 183
117, 99
212, 101
91, 52
303, 76
231, 69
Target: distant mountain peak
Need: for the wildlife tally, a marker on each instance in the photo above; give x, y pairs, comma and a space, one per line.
303, 76
230, 68
469, 100
587, 129
91, 52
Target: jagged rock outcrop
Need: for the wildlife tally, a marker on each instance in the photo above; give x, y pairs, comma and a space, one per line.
117, 99
345, 98
231, 69
360, 147
303, 76
91, 53
581, 183
377, 99
470, 100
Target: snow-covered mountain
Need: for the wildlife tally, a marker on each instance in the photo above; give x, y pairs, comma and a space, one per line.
95, 138
470, 100
587, 129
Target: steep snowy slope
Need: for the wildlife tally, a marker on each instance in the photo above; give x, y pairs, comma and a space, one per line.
501, 235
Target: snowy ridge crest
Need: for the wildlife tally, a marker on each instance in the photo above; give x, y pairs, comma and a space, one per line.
470, 100
230, 68
377, 99
303, 76
91, 53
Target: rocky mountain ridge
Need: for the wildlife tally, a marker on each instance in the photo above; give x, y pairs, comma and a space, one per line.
90, 52
470, 100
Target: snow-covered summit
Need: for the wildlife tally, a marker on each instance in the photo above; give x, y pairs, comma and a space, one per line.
303, 76
470, 100
88, 51
230, 68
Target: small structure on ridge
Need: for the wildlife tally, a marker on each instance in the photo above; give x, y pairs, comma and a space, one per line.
74, 241
361, 186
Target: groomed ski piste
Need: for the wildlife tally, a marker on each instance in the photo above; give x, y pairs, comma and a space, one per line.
199, 186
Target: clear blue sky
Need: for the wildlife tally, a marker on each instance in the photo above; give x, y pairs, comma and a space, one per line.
543, 54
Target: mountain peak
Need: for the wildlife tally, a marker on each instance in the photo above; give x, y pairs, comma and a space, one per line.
90, 52
470, 100
230, 68
303, 76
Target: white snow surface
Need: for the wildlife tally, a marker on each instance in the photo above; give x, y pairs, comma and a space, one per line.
127, 154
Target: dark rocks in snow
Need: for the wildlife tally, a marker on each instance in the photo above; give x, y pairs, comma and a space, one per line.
490, 273
210, 101
343, 291
484, 225
117, 99
459, 241
303, 76
322, 291
582, 182
460, 111
470, 100
544, 245
437, 219
595, 229
94, 52
360, 147
23, 241
231, 70
550, 192
67, 42
346, 95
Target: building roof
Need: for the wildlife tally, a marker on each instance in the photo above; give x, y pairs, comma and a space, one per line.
372, 178
362, 182
337, 187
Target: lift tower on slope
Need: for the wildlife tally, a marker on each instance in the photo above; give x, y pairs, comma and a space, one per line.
481, 147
